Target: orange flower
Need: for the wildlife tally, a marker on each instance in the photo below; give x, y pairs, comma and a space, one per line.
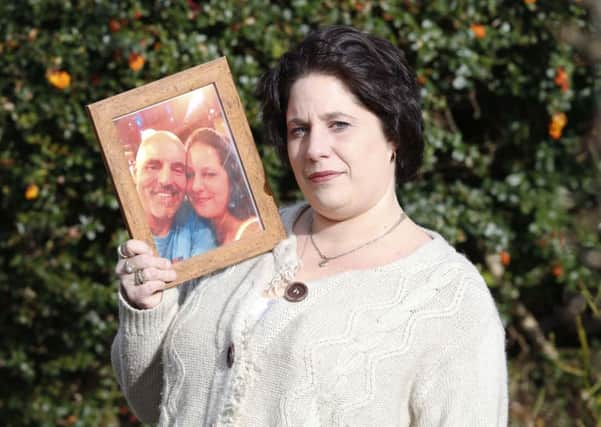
505, 258
421, 79
529, 1
558, 122
32, 191
478, 30
136, 61
59, 79
557, 270
561, 79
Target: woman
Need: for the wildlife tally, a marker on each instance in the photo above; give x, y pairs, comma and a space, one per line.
216, 188
360, 317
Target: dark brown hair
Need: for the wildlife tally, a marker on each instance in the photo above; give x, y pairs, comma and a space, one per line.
240, 203
372, 68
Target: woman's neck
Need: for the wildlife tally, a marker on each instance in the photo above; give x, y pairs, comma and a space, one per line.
225, 227
339, 235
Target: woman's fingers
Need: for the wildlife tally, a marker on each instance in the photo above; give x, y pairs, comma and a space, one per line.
142, 274
138, 262
144, 296
133, 247
150, 274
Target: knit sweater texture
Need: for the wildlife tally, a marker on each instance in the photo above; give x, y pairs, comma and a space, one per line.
417, 342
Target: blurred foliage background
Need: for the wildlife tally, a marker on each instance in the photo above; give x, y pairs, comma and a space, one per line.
512, 175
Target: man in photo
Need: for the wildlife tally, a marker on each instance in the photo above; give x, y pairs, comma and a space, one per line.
160, 177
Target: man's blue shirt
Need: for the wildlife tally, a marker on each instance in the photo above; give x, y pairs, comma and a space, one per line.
189, 235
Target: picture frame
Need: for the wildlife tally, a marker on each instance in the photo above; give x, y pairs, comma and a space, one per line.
186, 171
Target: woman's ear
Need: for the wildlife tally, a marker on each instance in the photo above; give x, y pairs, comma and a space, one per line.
394, 148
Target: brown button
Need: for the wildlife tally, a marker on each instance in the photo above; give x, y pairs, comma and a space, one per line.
230, 356
296, 292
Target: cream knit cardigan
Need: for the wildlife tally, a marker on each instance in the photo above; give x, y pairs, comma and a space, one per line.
417, 342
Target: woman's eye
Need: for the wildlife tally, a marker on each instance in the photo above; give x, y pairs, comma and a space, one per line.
298, 131
339, 126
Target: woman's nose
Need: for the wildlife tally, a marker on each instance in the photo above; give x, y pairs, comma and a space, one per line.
317, 143
197, 183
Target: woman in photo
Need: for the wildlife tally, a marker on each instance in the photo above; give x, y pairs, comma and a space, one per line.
216, 188
360, 317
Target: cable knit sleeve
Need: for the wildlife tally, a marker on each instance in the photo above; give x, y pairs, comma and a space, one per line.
136, 353
467, 386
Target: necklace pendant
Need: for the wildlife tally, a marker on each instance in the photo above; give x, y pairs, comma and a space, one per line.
323, 262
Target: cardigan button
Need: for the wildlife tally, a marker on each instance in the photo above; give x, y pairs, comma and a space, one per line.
230, 356
296, 292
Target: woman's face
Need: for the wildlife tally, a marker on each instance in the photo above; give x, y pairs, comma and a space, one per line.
337, 149
208, 186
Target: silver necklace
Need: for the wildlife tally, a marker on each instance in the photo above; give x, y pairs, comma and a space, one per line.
325, 259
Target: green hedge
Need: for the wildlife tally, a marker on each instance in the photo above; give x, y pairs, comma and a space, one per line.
512, 175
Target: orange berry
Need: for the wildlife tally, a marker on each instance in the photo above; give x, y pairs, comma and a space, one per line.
478, 30
561, 79
555, 132
114, 25
33, 34
505, 258
74, 232
557, 270
32, 191
556, 125
136, 61
59, 79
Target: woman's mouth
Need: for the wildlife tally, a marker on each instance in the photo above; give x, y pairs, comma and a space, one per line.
200, 199
323, 176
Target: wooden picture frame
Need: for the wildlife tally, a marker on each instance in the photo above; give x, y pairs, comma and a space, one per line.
143, 133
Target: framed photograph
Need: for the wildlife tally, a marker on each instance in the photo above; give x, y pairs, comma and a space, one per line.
186, 170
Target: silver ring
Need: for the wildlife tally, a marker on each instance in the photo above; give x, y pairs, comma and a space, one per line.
139, 278
129, 269
121, 252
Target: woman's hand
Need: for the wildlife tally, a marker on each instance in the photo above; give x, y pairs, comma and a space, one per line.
142, 275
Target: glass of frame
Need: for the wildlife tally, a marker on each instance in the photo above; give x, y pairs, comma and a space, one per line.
186, 170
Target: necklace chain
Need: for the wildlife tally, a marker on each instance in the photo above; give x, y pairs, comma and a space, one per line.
325, 259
